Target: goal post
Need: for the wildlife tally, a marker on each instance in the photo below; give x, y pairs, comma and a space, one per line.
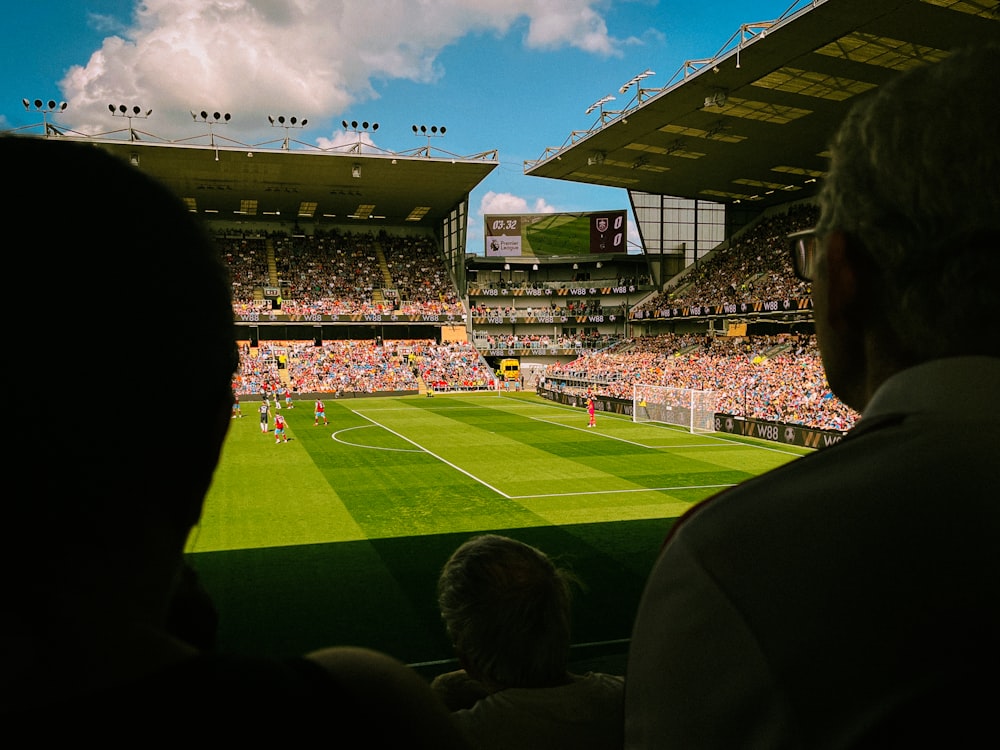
689, 408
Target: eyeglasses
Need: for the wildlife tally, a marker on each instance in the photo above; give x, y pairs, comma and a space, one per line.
804, 247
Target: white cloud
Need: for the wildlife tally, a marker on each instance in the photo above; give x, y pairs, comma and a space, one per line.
105, 24
507, 203
500, 203
557, 23
313, 58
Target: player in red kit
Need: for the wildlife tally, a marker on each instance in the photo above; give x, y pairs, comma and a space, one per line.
319, 413
279, 429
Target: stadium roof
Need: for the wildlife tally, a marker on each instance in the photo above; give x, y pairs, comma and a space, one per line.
312, 185
751, 124
748, 125
339, 187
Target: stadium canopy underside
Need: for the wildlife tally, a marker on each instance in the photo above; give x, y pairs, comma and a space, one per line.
749, 125
310, 185
240, 187
744, 129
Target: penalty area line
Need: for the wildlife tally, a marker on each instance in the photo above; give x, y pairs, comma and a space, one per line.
459, 469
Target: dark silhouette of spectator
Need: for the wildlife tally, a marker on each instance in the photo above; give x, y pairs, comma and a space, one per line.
98, 530
192, 615
851, 598
506, 607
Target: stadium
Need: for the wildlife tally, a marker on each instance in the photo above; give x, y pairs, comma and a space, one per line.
339, 538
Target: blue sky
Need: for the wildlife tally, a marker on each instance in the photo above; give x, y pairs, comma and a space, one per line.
512, 75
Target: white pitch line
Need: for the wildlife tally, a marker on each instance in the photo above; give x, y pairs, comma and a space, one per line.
618, 492
587, 430
630, 442
473, 477
434, 455
720, 442
372, 447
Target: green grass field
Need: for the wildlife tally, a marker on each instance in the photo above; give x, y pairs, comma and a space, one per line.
337, 536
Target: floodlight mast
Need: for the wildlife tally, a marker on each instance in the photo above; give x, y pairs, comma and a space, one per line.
640, 93
599, 104
287, 123
635, 80
135, 113
430, 131
46, 108
605, 114
217, 118
359, 128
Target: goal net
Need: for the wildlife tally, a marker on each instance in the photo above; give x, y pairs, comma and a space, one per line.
689, 408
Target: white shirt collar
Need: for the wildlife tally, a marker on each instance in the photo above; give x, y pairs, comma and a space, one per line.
961, 385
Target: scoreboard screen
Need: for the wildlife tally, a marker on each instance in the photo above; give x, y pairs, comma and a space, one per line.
555, 234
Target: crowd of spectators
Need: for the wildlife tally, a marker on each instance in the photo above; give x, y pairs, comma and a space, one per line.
354, 366
332, 270
525, 283
246, 258
419, 276
755, 267
333, 273
772, 378
555, 308
455, 366
355, 273
760, 377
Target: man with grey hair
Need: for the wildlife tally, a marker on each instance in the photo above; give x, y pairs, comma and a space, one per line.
506, 607
850, 598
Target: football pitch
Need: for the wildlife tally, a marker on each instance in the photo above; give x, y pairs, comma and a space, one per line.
337, 536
